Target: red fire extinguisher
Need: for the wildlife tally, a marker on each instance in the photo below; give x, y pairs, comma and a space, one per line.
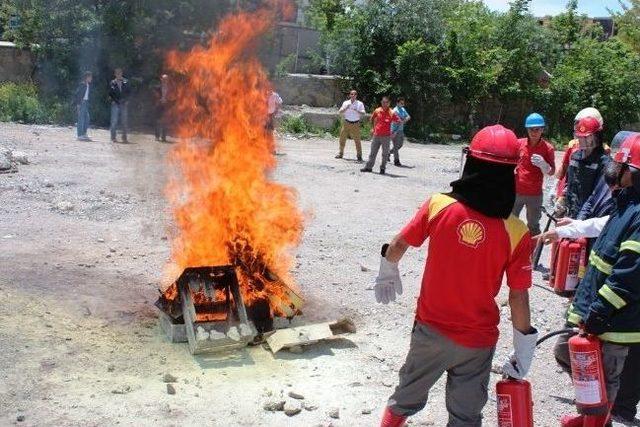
553, 264
515, 403
571, 253
587, 372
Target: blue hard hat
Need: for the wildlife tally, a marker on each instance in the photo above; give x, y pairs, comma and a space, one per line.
534, 120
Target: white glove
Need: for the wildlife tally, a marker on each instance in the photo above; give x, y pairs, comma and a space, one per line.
537, 160
519, 362
388, 282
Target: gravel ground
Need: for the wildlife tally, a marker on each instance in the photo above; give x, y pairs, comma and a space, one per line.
82, 245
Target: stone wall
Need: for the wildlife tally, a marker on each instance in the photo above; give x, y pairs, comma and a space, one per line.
312, 90
16, 65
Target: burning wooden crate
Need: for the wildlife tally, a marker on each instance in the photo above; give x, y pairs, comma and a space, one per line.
205, 308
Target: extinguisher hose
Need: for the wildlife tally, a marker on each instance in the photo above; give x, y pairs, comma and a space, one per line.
554, 333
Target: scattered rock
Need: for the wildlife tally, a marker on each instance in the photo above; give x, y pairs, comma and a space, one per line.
294, 395
48, 183
111, 368
366, 411
309, 407
274, 406
112, 250
387, 383
171, 389
20, 418
100, 240
123, 389
356, 384
168, 378
335, 413
291, 409
65, 206
5, 161
364, 268
20, 157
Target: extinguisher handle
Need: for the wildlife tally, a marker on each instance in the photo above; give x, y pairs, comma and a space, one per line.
554, 333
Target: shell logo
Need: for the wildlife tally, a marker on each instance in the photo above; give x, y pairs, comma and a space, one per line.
471, 233
582, 128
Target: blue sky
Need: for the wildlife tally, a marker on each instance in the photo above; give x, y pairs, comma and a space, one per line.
551, 7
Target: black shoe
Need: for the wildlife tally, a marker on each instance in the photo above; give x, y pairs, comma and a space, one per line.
397, 163
382, 171
338, 156
360, 158
366, 170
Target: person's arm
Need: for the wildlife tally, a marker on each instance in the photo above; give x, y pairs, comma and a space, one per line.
520, 311
551, 160
388, 282
373, 118
361, 108
408, 116
343, 108
588, 228
620, 288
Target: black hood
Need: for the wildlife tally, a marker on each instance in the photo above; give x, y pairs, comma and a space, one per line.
489, 188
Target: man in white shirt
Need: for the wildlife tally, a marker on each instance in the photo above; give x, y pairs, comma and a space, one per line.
351, 111
273, 106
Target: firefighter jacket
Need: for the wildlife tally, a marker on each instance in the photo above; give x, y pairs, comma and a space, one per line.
611, 285
585, 183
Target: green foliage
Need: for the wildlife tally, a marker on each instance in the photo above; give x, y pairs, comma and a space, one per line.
461, 65
285, 66
20, 103
296, 124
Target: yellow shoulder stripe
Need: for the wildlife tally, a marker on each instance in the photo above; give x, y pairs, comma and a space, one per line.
516, 229
437, 203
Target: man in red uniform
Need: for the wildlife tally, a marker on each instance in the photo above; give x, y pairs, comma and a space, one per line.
381, 119
473, 241
537, 158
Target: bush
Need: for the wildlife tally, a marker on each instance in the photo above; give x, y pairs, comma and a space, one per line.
297, 125
20, 103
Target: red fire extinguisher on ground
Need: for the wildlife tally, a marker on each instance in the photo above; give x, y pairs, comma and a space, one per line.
515, 403
587, 372
570, 256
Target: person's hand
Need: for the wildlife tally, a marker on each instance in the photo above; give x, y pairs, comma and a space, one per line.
388, 282
550, 236
596, 324
564, 221
524, 345
538, 161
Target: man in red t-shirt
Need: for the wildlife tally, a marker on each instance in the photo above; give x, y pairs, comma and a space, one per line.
537, 158
473, 241
381, 119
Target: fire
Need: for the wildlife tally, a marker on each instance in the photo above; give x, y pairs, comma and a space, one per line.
226, 207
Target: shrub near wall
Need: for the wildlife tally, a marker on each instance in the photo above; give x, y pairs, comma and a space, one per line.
19, 102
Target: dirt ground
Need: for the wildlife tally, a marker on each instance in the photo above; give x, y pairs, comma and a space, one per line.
82, 245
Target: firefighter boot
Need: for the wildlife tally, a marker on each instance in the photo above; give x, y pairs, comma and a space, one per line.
389, 419
572, 421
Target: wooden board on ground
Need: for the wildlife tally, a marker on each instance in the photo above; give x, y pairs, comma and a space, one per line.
309, 334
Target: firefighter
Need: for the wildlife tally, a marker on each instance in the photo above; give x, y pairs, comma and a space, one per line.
587, 194
458, 335
607, 302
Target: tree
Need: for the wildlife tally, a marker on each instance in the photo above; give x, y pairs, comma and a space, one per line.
628, 23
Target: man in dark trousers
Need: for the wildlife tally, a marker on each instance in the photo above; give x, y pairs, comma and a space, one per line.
162, 99
81, 100
119, 91
455, 334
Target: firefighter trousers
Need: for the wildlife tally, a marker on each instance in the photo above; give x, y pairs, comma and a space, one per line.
430, 356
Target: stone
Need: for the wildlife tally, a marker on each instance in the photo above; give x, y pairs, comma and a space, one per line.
274, 406
294, 395
20, 157
171, 389
291, 409
65, 206
168, 378
335, 413
366, 411
309, 407
20, 418
5, 162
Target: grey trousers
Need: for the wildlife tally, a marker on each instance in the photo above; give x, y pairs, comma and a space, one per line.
431, 355
376, 143
534, 211
398, 142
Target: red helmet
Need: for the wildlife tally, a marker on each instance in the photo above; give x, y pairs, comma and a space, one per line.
626, 146
587, 126
495, 144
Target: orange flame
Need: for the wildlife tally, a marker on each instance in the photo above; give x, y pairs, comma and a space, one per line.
226, 208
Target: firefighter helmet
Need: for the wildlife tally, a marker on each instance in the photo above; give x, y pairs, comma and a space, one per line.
495, 144
589, 112
587, 126
626, 148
